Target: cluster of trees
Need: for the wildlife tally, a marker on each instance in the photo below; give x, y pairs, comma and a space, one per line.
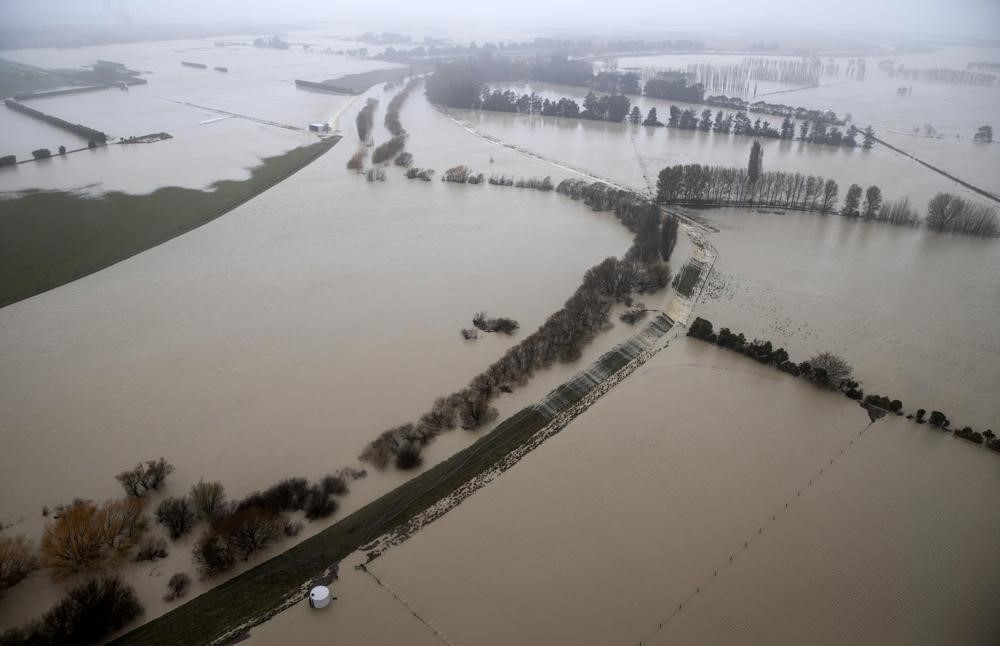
615, 83
984, 135
83, 131
462, 174
425, 174
8, 160
828, 370
776, 109
366, 119
237, 530
85, 536
86, 615
504, 325
740, 124
563, 335
952, 213
536, 183
389, 149
614, 107
375, 175
17, 560
698, 185
674, 86
943, 75
539, 47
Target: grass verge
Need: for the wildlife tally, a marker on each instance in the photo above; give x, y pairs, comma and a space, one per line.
49, 238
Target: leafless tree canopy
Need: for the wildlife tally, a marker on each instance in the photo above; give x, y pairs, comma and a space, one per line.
949, 212
17, 560
836, 369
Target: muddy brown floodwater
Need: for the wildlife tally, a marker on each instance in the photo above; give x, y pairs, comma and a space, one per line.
279, 339
634, 510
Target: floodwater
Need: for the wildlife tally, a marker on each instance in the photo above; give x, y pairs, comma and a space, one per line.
225, 121
915, 312
633, 154
300, 325
634, 510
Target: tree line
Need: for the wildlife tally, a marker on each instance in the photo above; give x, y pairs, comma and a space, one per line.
561, 338
698, 185
740, 124
606, 107
829, 371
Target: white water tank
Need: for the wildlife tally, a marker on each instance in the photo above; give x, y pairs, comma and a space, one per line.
319, 597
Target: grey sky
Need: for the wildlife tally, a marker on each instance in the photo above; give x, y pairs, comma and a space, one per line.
948, 17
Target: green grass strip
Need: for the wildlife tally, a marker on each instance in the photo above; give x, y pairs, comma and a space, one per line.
49, 238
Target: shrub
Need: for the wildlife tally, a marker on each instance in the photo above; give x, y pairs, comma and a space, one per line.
334, 484
236, 537
504, 325
62, 150
938, 419
319, 504
85, 536
144, 477
177, 586
701, 329
425, 174
375, 175
469, 333
177, 515
86, 615
151, 549
17, 560
404, 159
386, 151
834, 369
970, 435
208, 499
408, 457
288, 495
41, 153
357, 161
920, 415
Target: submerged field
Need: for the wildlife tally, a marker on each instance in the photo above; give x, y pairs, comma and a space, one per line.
279, 339
646, 496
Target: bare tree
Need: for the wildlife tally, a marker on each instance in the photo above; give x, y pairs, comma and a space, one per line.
833, 367
17, 560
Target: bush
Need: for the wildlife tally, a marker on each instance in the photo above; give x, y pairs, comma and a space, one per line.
334, 484
938, 419
177, 515
920, 415
829, 369
504, 325
17, 560
389, 149
408, 457
970, 435
86, 537
357, 161
701, 329
208, 499
151, 549
41, 153
177, 586
144, 477
288, 495
86, 615
425, 174
62, 150
319, 504
404, 159
236, 537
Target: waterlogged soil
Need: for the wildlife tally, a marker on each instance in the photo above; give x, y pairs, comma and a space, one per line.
628, 518
913, 311
279, 339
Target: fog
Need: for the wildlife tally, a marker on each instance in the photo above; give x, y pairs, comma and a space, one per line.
962, 18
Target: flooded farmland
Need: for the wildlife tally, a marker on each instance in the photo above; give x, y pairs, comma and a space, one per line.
695, 497
646, 496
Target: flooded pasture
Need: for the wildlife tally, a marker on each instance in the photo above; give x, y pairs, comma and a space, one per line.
603, 532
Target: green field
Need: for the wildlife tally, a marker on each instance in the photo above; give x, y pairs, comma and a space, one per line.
49, 238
